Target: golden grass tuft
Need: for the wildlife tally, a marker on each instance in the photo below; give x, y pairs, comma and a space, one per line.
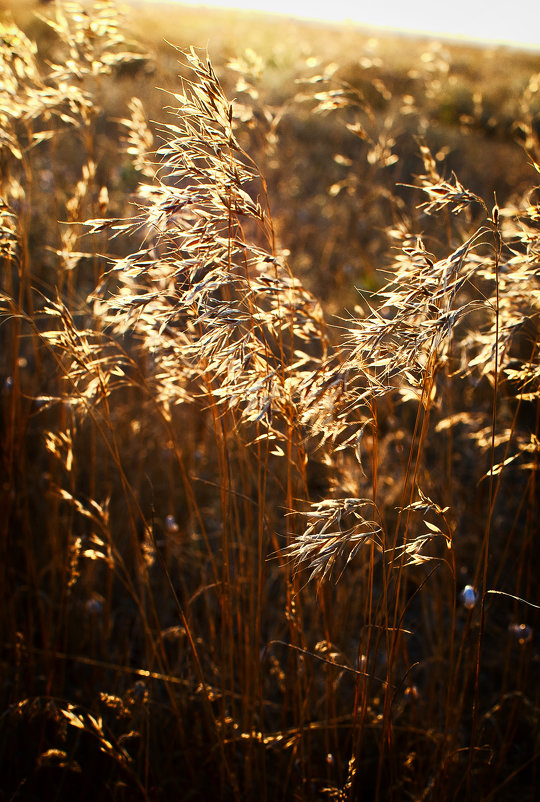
252, 549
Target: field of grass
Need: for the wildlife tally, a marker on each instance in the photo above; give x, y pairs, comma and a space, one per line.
270, 411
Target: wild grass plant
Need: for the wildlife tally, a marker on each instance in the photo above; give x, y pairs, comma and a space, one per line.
251, 549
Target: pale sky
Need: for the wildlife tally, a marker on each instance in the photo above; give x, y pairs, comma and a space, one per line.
497, 21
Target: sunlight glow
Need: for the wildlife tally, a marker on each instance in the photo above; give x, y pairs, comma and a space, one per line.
517, 23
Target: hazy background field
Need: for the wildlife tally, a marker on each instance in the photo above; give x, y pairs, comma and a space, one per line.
270, 409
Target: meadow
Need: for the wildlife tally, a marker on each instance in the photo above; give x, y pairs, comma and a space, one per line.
270, 411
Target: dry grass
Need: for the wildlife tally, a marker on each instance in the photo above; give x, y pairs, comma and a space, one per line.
250, 550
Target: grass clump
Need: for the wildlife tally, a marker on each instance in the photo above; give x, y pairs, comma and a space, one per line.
249, 548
